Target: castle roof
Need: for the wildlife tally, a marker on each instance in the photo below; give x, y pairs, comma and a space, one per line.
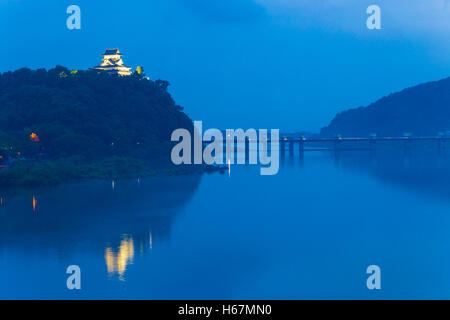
111, 66
111, 62
111, 52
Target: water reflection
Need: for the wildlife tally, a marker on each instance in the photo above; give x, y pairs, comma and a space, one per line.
322, 212
34, 204
420, 170
89, 215
118, 260
151, 241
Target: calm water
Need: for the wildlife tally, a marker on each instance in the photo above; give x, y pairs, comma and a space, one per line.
308, 232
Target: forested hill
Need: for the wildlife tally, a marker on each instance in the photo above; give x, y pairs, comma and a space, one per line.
85, 117
423, 110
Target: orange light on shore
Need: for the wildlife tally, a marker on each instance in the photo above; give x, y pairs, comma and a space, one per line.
34, 137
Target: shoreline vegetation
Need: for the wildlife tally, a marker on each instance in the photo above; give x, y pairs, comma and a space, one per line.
52, 172
63, 125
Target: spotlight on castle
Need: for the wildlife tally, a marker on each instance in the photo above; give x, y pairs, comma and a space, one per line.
113, 63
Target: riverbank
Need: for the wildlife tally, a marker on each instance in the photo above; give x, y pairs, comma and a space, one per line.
54, 172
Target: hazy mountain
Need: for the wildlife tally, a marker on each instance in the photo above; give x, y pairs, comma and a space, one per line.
423, 110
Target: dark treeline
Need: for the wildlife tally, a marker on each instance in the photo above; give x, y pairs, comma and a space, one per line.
84, 118
423, 110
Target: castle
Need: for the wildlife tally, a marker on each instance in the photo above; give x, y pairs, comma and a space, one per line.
113, 63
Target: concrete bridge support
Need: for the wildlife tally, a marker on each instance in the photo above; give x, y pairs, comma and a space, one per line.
282, 148
291, 148
301, 149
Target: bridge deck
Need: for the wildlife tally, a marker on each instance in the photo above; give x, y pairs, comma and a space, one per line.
307, 140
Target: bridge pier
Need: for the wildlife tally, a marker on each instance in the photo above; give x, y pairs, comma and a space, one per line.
372, 144
291, 148
301, 149
406, 148
247, 150
337, 142
282, 148
337, 157
441, 147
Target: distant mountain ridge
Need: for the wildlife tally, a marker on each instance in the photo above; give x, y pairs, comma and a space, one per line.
422, 110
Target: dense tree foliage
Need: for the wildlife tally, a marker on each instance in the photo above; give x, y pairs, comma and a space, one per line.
423, 110
89, 115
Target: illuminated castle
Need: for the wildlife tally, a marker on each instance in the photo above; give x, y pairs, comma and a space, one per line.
113, 63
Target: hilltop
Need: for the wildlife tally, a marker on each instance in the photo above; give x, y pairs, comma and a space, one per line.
59, 125
423, 110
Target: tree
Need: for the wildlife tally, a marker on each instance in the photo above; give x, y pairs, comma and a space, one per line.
163, 84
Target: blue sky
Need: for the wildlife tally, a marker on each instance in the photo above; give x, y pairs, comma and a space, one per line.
243, 63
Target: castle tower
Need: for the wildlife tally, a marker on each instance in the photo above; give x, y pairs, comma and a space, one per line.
113, 63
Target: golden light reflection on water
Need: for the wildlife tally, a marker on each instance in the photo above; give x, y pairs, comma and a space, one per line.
151, 241
117, 262
34, 204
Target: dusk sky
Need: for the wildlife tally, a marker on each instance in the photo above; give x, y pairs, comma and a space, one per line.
243, 63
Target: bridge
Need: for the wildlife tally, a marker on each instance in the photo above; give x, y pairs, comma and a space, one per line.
350, 144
